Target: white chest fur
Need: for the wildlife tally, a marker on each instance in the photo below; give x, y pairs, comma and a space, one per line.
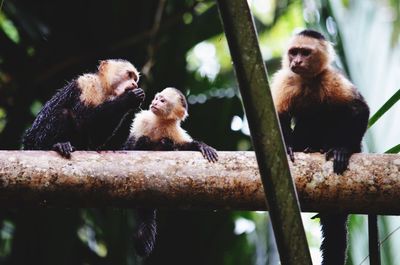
146, 123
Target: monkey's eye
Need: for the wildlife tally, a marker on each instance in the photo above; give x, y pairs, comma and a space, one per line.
305, 52
293, 51
131, 74
162, 100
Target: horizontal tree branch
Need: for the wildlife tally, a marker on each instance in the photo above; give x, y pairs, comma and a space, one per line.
186, 180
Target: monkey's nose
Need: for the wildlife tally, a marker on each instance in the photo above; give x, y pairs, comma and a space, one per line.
134, 84
297, 63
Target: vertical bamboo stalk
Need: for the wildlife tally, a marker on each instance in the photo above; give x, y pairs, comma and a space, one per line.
266, 134
374, 245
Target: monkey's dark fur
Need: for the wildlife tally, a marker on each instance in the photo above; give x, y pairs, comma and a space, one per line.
159, 129
146, 230
329, 116
65, 123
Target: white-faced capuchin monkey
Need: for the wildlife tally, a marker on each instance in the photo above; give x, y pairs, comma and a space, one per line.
159, 129
320, 111
92, 112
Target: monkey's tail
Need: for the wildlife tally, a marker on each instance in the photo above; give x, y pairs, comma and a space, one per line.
146, 230
334, 243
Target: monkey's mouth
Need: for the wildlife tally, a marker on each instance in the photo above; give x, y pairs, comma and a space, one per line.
129, 88
298, 69
153, 108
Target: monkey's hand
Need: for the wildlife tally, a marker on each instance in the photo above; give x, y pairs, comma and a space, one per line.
289, 151
341, 156
166, 144
133, 97
143, 143
208, 152
64, 149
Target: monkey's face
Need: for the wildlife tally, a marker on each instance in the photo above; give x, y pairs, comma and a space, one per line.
161, 106
118, 76
307, 57
167, 105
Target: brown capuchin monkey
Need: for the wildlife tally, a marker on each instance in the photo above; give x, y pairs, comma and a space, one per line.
159, 129
320, 110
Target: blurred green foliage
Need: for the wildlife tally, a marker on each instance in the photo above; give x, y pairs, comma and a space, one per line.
367, 38
44, 44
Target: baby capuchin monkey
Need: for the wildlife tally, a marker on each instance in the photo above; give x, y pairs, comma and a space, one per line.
92, 112
320, 110
159, 129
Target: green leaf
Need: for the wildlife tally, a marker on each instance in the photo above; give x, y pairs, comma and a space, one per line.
393, 150
384, 108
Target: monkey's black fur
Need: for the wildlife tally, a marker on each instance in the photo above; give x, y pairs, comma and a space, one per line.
337, 130
312, 34
327, 115
146, 226
65, 123
146, 230
166, 144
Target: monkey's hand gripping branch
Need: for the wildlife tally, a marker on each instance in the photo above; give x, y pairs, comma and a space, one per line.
207, 151
341, 157
289, 151
64, 149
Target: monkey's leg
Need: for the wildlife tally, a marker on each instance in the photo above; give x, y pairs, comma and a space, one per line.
146, 230
334, 243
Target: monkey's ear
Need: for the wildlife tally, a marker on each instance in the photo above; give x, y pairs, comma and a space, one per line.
102, 65
181, 113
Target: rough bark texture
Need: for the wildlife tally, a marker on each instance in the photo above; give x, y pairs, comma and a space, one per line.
265, 132
186, 180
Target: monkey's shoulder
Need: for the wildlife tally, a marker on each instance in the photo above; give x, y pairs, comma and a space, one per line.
336, 88
91, 89
289, 89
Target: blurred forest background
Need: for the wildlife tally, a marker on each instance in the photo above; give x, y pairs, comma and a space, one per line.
45, 43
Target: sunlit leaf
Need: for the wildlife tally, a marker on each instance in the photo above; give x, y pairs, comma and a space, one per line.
384, 108
394, 150
9, 28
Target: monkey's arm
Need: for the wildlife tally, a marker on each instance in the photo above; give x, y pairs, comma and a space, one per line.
54, 128
349, 135
109, 118
285, 120
207, 151
57, 136
358, 123
121, 133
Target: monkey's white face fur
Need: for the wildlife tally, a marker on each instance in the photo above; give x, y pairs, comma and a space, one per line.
113, 78
118, 75
168, 105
